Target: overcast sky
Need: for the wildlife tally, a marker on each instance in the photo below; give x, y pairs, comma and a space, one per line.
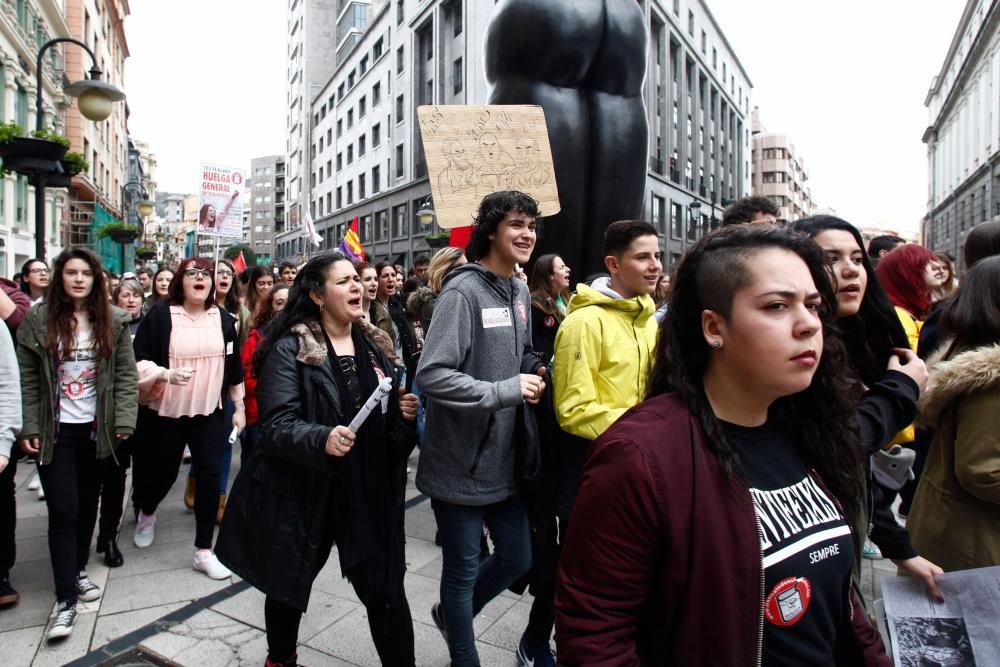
845, 80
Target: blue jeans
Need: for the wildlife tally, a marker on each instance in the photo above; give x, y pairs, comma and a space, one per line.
467, 584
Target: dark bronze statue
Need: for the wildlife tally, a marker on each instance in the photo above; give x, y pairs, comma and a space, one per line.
584, 62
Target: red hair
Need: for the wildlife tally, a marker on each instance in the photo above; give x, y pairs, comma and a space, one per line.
175, 292
901, 273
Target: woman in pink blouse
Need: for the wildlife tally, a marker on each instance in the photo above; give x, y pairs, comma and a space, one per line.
188, 355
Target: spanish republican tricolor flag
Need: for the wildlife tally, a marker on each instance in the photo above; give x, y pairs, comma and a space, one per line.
351, 245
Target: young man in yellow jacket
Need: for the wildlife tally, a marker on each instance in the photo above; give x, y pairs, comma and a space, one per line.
604, 348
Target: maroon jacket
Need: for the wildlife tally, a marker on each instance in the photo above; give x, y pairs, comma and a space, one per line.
662, 565
22, 303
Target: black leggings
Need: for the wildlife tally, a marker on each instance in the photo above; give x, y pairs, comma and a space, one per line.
158, 460
72, 482
391, 626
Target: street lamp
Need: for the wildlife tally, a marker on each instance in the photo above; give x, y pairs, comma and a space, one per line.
425, 214
144, 207
94, 99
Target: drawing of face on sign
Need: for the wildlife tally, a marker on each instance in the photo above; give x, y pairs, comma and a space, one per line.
530, 170
458, 176
492, 163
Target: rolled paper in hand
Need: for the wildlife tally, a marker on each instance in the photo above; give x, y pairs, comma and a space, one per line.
381, 391
234, 434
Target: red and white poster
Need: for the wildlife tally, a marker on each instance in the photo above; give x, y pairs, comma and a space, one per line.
220, 210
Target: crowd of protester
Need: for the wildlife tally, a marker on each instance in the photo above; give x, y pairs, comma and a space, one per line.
650, 453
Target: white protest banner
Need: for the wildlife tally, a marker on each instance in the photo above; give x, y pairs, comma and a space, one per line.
220, 209
472, 151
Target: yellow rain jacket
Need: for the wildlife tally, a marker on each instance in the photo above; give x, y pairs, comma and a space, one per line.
603, 355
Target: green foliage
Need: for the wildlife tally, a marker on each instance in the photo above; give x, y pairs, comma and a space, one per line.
51, 136
9, 132
249, 256
145, 253
76, 163
107, 230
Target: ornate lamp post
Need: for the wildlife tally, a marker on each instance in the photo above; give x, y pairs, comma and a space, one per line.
94, 99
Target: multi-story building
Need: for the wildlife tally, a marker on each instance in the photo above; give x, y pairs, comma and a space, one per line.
95, 196
778, 172
24, 28
313, 29
368, 160
963, 138
266, 189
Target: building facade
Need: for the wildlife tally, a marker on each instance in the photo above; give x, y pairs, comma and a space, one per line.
96, 196
312, 57
368, 161
778, 172
963, 137
24, 28
266, 188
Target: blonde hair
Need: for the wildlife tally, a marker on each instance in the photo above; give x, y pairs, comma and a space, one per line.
441, 264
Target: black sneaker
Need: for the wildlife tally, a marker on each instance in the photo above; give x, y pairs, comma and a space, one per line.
8, 596
439, 620
65, 620
86, 590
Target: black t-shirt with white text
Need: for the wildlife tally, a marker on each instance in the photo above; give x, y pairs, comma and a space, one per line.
806, 549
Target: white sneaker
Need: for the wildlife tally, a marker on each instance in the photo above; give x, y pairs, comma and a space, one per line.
145, 531
205, 561
86, 590
35, 483
65, 620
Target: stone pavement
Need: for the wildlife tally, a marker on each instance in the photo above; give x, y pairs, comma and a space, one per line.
158, 603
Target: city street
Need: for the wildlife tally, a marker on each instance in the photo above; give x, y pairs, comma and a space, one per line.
155, 602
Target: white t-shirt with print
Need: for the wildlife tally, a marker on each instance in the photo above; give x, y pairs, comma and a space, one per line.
77, 375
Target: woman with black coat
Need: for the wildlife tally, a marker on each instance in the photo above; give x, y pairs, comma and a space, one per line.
311, 482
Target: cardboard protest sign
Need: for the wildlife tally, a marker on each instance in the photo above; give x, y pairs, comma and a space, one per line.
220, 208
472, 151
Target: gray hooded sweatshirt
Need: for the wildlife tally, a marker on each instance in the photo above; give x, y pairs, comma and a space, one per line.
10, 393
478, 344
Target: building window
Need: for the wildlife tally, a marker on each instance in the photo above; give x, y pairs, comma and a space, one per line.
399, 226
340, 199
361, 186
400, 59
340, 128
352, 78
350, 192
457, 75
362, 147
350, 118
350, 154
676, 221
340, 161
399, 161
378, 48
704, 42
456, 17
399, 11
376, 94
376, 179
382, 225
362, 108
659, 213
691, 23
363, 65
366, 228
376, 135
399, 109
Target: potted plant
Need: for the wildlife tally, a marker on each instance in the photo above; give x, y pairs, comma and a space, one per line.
72, 164
31, 155
145, 253
119, 232
439, 240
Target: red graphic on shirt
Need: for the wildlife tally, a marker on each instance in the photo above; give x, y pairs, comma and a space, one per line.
549, 322
787, 602
522, 311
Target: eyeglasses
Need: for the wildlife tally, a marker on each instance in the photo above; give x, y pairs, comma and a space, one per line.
224, 273
194, 273
38, 270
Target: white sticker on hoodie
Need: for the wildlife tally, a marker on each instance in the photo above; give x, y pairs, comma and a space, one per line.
496, 317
